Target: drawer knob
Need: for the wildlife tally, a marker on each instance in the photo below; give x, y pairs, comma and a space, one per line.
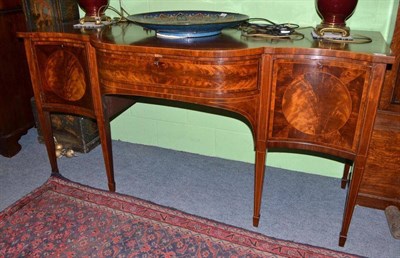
157, 59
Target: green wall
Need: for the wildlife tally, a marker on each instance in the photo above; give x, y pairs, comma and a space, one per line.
216, 135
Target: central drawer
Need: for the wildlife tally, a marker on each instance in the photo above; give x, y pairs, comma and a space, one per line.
194, 75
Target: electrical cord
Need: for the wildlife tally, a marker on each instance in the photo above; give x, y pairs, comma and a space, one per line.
355, 39
261, 28
266, 29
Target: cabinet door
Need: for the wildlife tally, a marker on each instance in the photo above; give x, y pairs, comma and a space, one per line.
318, 105
63, 77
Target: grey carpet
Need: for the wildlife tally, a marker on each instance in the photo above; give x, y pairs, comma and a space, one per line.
296, 206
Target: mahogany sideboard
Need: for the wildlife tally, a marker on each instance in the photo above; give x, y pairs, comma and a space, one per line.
295, 94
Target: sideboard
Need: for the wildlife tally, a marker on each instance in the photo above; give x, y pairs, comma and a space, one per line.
318, 97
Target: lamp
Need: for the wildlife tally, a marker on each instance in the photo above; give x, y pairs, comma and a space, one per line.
334, 14
94, 10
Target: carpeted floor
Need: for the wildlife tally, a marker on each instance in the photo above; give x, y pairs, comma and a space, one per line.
296, 206
65, 219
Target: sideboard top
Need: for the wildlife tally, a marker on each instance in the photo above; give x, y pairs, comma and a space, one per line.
131, 36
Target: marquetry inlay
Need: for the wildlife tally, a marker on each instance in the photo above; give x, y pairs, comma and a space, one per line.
317, 103
65, 76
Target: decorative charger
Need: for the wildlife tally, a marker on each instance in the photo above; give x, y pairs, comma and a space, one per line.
187, 24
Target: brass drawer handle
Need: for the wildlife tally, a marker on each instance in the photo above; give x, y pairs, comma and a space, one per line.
157, 59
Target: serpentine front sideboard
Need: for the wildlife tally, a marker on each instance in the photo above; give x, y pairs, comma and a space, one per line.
304, 94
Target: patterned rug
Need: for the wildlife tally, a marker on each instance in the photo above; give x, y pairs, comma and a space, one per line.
63, 218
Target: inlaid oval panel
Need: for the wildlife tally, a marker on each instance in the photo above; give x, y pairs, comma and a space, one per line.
65, 76
317, 103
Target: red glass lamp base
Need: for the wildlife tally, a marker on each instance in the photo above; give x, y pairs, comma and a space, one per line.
94, 10
334, 14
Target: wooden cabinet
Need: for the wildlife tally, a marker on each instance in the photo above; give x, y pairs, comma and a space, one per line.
293, 94
15, 87
380, 186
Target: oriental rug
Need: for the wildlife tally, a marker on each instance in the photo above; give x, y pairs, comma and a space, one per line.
66, 219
